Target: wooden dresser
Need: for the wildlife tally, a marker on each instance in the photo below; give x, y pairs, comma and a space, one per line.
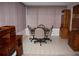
19, 46
74, 40
74, 34
10, 42
65, 23
7, 40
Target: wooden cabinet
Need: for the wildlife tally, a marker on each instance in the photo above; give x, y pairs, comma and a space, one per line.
74, 34
19, 46
10, 42
76, 9
75, 19
7, 40
64, 32
65, 23
74, 40
4, 43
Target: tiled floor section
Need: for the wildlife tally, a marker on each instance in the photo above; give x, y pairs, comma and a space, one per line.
55, 48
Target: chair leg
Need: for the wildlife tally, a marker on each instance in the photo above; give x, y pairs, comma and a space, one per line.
35, 41
45, 42
31, 40
40, 44
40, 41
50, 40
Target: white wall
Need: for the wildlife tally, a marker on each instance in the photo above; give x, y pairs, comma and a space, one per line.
13, 13
44, 15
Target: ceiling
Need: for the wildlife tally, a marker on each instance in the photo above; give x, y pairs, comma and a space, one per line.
48, 3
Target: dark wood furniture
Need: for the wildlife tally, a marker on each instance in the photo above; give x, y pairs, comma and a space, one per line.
19, 46
74, 40
65, 24
75, 19
74, 34
7, 40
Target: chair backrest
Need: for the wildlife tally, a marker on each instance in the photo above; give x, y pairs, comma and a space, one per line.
32, 30
39, 33
29, 27
41, 25
49, 32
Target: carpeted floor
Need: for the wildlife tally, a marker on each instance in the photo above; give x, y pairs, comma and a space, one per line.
58, 47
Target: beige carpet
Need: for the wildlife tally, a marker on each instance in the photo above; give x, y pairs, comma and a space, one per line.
55, 48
